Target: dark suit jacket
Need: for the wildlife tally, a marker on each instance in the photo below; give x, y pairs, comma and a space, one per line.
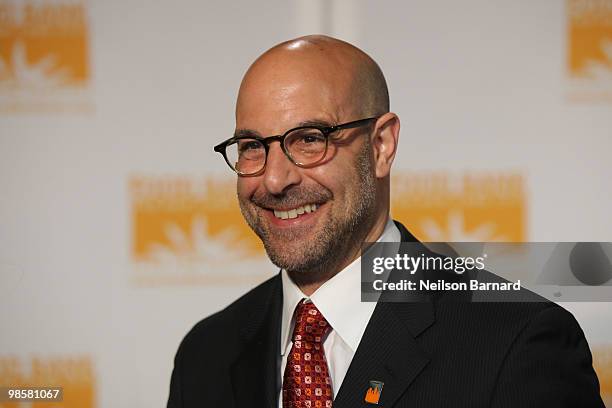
428, 354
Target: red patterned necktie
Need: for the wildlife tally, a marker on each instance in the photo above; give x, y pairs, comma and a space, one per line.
306, 383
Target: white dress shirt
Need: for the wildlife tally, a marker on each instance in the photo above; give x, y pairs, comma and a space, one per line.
339, 300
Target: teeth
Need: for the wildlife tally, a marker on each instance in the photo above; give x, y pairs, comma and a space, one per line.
281, 214
294, 213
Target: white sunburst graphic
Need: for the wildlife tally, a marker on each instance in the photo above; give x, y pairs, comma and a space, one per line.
601, 70
456, 232
43, 74
196, 247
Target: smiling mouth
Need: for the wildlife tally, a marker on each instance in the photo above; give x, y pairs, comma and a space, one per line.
295, 212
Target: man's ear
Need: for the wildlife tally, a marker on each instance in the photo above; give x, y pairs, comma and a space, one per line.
384, 142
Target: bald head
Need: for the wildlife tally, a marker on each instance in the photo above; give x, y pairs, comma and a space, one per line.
341, 73
313, 82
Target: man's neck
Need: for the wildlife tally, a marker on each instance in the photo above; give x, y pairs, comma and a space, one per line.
355, 252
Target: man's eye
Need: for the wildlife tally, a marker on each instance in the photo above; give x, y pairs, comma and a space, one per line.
308, 139
250, 145
311, 138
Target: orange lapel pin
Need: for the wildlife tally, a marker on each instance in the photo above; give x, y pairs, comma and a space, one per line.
373, 394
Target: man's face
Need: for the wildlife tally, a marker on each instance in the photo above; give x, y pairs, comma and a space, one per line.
342, 187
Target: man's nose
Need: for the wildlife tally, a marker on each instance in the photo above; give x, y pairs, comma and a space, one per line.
280, 173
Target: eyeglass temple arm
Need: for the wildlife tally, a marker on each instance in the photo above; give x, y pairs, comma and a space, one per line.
352, 125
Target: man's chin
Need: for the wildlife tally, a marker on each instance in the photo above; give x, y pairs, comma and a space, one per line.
291, 252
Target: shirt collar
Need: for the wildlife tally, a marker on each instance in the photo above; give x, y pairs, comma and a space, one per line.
338, 299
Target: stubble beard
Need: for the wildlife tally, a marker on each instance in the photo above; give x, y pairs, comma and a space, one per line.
309, 261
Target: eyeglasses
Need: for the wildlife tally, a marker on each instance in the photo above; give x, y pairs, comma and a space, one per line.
305, 146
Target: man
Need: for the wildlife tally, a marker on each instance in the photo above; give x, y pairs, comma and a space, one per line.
314, 193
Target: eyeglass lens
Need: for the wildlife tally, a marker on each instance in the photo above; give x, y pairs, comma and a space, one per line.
305, 146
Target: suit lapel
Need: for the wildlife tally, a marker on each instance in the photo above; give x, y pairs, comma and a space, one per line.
388, 351
254, 373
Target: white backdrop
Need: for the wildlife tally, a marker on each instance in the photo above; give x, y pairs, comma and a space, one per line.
111, 194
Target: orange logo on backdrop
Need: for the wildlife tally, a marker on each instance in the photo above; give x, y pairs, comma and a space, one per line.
43, 51
75, 375
602, 362
190, 231
194, 224
589, 56
469, 207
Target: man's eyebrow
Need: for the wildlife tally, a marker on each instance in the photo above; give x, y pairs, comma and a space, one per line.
314, 122
246, 133
310, 122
